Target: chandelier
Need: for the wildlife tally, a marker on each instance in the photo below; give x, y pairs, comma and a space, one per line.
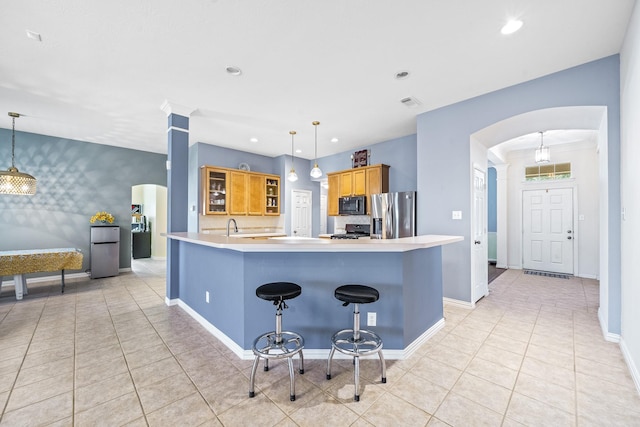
293, 176
316, 172
13, 181
542, 152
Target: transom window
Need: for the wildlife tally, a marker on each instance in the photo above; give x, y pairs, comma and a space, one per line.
546, 172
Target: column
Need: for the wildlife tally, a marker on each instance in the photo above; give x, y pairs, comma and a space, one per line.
502, 246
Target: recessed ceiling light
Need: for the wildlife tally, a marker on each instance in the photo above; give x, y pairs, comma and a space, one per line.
253, 139
402, 75
511, 27
334, 139
298, 151
233, 70
33, 35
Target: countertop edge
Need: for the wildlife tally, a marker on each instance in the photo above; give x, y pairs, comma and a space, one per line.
404, 244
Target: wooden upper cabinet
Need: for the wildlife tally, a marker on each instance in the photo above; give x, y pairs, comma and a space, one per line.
358, 182
377, 178
238, 193
214, 191
272, 200
345, 184
255, 194
333, 194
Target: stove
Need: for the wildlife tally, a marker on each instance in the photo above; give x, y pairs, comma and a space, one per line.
354, 231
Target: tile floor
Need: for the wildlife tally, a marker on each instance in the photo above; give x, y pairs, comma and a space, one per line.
110, 352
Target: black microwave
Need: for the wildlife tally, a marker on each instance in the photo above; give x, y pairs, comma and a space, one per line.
355, 205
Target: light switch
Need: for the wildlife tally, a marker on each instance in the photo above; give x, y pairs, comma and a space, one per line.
456, 215
580, 217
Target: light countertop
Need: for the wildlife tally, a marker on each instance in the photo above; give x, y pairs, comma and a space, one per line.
306, 244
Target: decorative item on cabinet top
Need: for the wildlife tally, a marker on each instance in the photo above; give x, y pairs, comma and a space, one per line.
227, 191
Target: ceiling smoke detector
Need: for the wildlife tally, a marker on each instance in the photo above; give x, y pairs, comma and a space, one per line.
233, 70
410, 101
402, 74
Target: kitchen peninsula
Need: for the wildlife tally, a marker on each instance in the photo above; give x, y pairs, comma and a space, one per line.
214, 279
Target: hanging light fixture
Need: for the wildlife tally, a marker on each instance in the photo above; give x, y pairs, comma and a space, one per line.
542, 152
12, 181
293, 176
316, 172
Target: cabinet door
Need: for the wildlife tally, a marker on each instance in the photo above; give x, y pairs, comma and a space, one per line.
333, 194
214, 191
346, 187
238, 193
374, 180
359, 182
255, 194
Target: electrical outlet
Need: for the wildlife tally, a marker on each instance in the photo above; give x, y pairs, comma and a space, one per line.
371, 318
456, 214
206, 296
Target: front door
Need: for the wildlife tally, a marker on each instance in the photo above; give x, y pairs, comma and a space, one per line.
547, 235
479, 233
301, 218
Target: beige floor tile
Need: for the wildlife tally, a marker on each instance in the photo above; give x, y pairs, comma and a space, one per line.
189, 410
118, 411
46, 357
460, 343
419, 392
505, 343
435, 422
391, 410
493, 372
279, 393
97, 356
162, 393
262, 411
532, 412
156, 371
103, 391
220, 368
100, 371
546, 392
44, 371
618, 374
484, 392
449, 356
460, 411
436, 372
41, 413
620, 396
546, 371
145, 356
141, 342
223, 395
559, 344
39, 391
498, 355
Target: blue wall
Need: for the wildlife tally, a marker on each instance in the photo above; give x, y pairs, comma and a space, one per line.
492, 200
444, 134
76, 179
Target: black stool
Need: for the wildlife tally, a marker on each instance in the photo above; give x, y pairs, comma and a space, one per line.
356, 342
287, 344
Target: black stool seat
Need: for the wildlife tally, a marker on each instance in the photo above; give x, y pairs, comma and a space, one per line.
356, 294
278, 291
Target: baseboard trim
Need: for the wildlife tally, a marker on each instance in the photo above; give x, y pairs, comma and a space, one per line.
604, 326
309, 353
459, 303
633, 369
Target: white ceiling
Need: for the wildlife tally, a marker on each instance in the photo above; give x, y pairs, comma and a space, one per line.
103, 68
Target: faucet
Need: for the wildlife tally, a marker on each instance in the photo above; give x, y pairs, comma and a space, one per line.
235, 226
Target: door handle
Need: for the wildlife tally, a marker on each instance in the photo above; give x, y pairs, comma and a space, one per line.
477, 242
569, 231
569, 237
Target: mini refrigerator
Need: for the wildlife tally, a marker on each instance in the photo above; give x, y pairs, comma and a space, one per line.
393, 215
105, 251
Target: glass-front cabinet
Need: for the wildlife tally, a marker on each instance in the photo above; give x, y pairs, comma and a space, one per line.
215, 197
272, 206
234, 192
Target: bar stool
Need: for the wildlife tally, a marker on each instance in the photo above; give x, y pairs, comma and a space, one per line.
278, 344
356, 342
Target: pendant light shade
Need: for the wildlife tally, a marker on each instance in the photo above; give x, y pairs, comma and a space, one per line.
316, 172
13, 181
293, 176
542, 152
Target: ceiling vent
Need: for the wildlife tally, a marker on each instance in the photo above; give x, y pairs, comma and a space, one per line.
410, 101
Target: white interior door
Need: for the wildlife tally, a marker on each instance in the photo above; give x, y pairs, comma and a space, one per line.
479, 233
323, 214
547, 234
301, 217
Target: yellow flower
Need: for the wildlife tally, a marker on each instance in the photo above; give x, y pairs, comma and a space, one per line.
102, 217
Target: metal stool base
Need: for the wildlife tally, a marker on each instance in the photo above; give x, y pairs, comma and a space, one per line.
366, 344
273, 345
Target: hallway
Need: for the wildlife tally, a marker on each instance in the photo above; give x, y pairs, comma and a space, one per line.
109, 351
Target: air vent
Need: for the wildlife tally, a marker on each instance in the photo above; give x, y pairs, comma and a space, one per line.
410, 101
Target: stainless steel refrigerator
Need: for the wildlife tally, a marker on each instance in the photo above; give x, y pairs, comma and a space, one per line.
105, 251
393, 215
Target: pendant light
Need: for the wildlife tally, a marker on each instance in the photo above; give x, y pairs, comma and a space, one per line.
293, 177
12, 181
316, 172
542, 152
